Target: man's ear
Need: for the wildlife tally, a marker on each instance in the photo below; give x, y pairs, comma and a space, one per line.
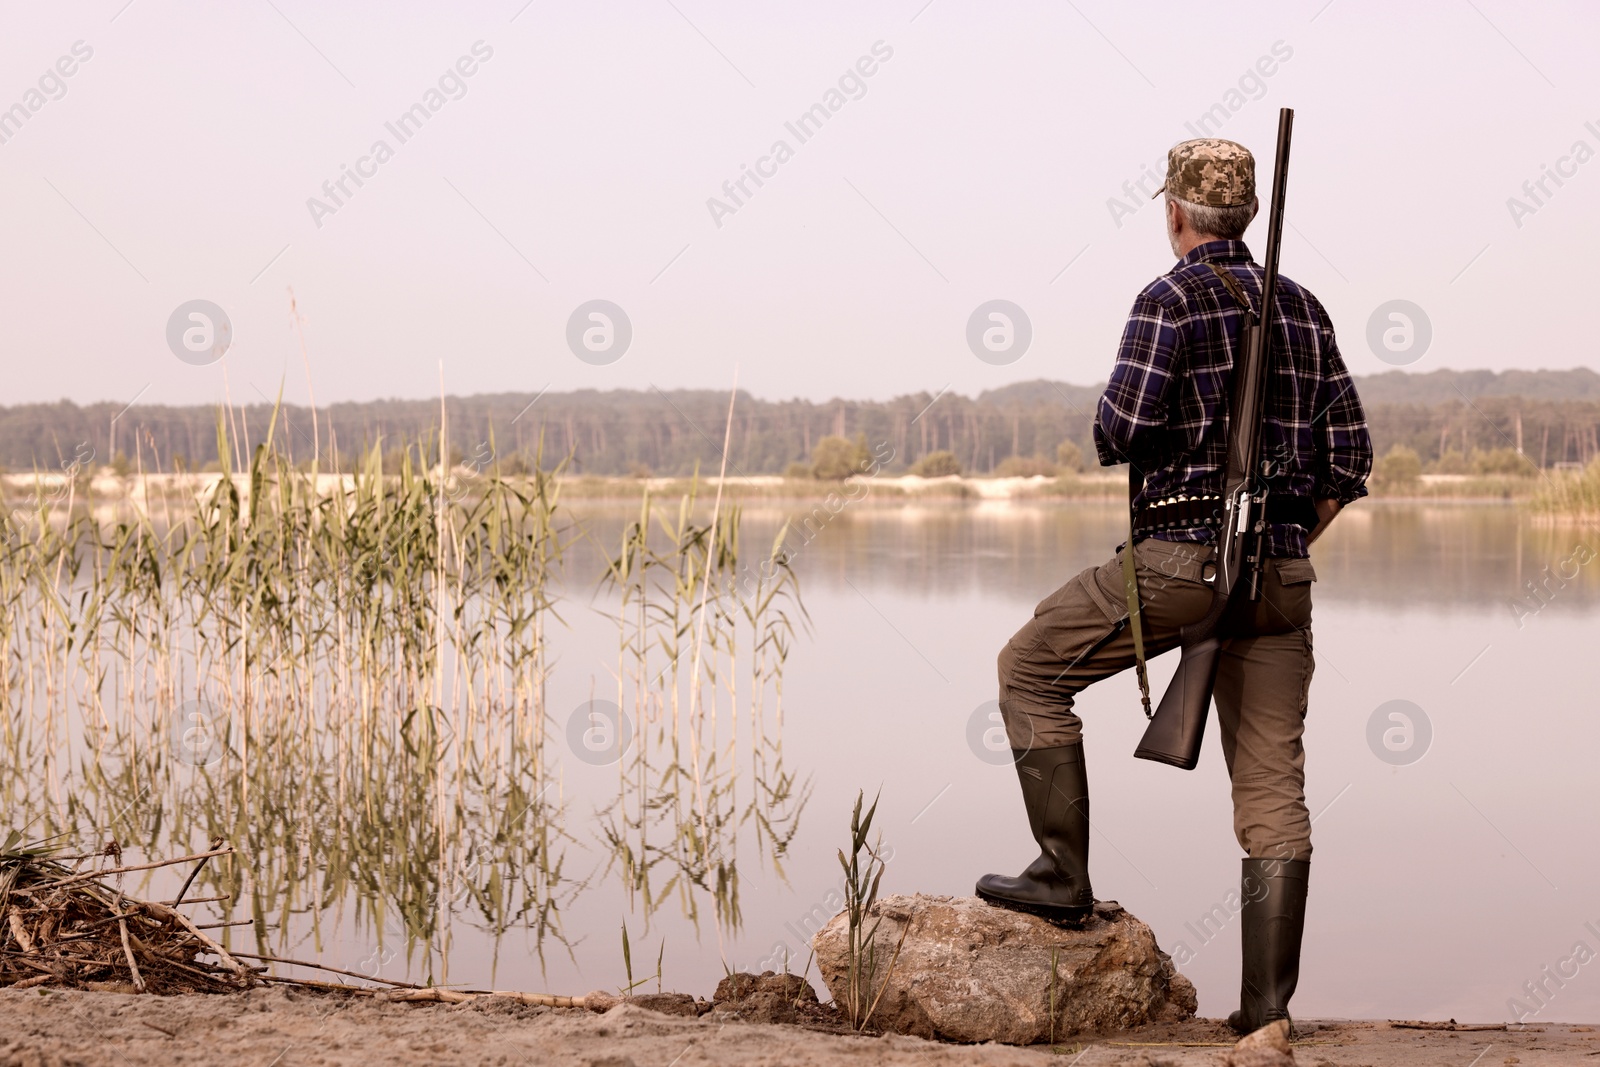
1255, 208
1176, 223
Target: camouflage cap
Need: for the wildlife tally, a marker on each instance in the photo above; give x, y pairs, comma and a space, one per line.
1210, 171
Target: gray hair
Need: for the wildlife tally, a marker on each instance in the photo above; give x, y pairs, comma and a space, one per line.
1223, 223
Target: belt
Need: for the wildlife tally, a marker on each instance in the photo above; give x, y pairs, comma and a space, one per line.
1187, 512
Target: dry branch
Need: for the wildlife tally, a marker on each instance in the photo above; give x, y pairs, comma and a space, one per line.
75, 929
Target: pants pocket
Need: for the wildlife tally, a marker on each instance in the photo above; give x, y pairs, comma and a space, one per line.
1079, 617
1285, 604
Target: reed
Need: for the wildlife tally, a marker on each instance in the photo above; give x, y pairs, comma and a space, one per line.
364, 659
863, 871
673, 829
1575, 494
343, 674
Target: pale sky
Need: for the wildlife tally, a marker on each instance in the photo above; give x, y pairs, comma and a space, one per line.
979, 159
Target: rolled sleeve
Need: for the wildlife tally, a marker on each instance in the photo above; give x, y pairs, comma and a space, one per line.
1344, 446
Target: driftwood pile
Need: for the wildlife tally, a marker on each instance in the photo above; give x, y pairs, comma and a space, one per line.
70, 928
76, 929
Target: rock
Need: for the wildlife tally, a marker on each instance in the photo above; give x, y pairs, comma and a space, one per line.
763, 998
1266, 1047
971, 972
1183, 1000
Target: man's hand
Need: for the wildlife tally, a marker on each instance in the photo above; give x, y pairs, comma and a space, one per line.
1326, 510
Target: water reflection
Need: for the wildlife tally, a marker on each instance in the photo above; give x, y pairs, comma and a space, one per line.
1394, 555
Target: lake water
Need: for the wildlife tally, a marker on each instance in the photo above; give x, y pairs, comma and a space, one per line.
1453, 865
1439, 887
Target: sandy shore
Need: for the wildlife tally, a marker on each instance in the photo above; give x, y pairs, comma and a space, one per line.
282, 1028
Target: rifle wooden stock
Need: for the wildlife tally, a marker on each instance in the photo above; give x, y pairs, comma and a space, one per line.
1179, 724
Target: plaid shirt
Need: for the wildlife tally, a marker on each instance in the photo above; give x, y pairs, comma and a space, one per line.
1166, 405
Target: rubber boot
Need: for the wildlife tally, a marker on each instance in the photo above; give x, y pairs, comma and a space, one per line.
1274, 919
1055, 790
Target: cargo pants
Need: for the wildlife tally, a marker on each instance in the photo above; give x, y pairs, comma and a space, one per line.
1079, 634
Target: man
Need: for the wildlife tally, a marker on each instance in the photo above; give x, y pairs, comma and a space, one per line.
1165, 411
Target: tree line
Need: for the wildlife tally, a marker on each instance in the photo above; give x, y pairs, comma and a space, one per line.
1453, 421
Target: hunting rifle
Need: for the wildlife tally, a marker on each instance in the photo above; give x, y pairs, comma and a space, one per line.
1179, 723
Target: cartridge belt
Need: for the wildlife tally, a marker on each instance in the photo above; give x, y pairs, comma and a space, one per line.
1188, 512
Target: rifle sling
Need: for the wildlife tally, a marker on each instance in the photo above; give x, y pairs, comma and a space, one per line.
1227, 279
1130, 582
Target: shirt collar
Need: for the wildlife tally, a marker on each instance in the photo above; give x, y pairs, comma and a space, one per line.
1220, 251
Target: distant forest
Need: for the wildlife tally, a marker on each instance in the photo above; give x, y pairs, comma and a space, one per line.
1451, 419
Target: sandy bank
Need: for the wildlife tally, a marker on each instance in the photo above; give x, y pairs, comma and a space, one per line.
275, 1026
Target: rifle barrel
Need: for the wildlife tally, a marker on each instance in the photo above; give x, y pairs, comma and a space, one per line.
1280, 186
